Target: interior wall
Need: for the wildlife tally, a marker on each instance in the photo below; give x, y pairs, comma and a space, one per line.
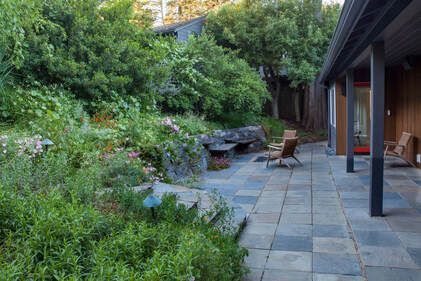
404, 88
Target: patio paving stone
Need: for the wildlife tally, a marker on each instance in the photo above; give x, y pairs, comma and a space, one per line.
286, 275
257, 258
294, 230
336, 277
336, 264
312, 222
333, 245
377, 238
339, 231
392, 274
289, 260
386, 256
245, 199
410, 239
292, 243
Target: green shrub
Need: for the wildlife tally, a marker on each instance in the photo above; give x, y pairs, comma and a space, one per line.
210, 80
44, 236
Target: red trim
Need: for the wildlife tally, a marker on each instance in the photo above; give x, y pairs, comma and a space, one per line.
362, 149
361, 84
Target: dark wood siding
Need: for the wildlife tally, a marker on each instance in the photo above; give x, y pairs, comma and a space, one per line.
404, 87
340, 119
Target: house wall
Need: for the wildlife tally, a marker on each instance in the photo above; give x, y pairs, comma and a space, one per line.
184, 33
402, 99
403, 87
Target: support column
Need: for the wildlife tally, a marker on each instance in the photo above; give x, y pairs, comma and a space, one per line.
350, 121
377, 128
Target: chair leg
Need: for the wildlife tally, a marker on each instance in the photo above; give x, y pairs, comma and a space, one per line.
407, 161
385, 152
296, 159
267, 163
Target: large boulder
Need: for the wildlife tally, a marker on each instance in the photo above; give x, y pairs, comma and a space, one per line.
184, 161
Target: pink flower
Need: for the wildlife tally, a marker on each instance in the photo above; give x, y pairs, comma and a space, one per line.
133, 154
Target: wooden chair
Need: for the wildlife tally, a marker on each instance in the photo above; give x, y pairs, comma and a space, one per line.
399, 147
283, 152
279, 141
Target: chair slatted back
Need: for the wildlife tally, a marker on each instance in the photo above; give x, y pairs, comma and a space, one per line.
289, 134
403, 143
289, 147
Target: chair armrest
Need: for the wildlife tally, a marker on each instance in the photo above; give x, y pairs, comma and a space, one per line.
391, 143
275, 147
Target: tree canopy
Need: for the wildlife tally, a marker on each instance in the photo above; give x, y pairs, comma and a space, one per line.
279, 34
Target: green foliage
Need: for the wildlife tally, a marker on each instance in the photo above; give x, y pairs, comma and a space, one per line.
291, 35
208, 79
47, 236
90, 47
273, 127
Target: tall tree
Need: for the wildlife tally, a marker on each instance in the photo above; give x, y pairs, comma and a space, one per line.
181, 10
279, 36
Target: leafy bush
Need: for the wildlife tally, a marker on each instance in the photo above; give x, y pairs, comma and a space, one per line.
45, 236
210, 80
94, 48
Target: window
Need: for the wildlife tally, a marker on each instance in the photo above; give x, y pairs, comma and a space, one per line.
332, 106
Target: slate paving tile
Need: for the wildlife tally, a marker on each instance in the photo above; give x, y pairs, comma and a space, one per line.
271, 218
256, 258
333, 245
255, 274
377, 238
408, 225
285, 275
336, 277
329, 219
296, 218
294, 230
260, 228
286, 260
267, 208
410, 239
386, 256
415, 254
292, 243
336, 264
255, 241
296, 209
355, 203
246, 192
392, 274
339, 231
269, 187
245, 199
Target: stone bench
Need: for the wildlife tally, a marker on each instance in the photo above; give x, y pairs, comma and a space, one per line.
223, 149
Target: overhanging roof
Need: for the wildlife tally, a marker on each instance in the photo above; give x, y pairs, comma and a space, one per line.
172, 28
359, 25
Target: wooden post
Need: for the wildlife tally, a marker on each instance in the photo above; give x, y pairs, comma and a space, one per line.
350, 121
377, 128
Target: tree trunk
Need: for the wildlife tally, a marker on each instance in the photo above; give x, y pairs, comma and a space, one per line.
275, 99
315, 106
297, 106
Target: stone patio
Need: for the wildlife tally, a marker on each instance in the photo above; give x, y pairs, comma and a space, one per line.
312, 222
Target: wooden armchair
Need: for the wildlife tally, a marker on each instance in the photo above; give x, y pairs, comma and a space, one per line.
399, 147
283, 152
279, 141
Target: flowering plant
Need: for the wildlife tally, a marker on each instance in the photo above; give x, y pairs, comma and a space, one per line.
168, 122
219, 163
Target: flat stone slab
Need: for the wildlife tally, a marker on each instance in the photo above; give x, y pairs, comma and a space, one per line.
336, 264
392, 274
288, 260
222, 147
